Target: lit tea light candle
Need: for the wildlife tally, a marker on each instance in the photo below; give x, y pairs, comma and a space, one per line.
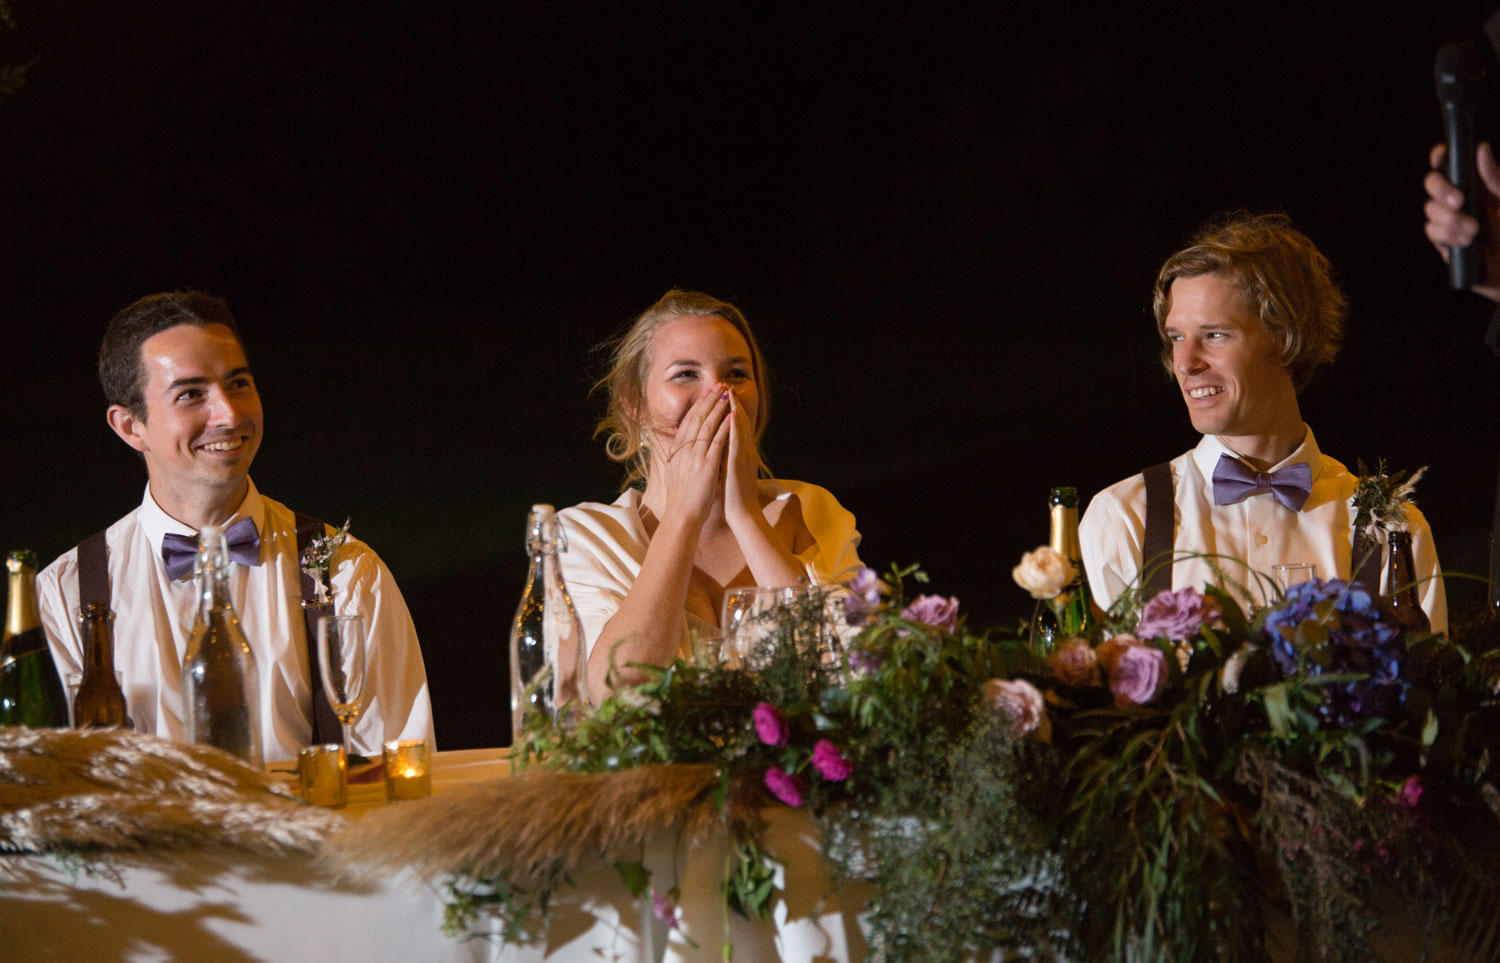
408, 773
322, 775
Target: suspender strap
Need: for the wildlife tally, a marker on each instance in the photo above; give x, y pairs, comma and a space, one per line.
1368, 555
93, 570
1159, 538
326, 726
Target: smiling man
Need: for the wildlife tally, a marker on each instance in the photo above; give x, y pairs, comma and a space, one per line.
1246, 314
181, 393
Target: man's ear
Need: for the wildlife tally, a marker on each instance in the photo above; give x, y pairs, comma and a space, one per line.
127, 426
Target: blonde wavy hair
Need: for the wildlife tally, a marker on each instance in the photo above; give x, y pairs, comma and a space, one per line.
1284, 278
630, 364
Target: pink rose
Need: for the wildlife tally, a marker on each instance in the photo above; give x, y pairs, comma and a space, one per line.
1410, 794
784, 787
1137, 674
1022, 703
829, 762
1044, 573
934, 610
1176, 615
1075, 663
664, 908
769, 725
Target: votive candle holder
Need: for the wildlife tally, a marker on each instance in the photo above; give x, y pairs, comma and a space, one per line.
323, 775
408, 769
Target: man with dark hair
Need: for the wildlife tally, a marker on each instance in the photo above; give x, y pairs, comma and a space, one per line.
181, 393
1246, 313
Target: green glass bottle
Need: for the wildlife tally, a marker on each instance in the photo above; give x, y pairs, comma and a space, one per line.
31, 693
1071, 613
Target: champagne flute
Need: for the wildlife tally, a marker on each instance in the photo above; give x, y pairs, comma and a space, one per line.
341, 658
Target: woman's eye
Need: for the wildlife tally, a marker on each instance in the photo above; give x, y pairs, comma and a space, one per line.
685, 375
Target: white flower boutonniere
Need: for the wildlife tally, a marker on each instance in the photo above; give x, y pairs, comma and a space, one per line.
1380, 500
317, 560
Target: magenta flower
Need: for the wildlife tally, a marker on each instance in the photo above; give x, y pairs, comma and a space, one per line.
784, 787
1410, 793
664, 908
829, 762
934, 610
1137, 674
1176, 615
769, 725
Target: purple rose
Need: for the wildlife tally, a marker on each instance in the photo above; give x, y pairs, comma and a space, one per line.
1136, 675
1176, 615
934, 610
829, 762
864, 662
769, 725
1410, 794
784, 787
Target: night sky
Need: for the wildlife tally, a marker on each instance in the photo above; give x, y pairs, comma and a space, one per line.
943, 227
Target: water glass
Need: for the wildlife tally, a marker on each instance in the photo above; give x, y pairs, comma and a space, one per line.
756, 621
1288, 574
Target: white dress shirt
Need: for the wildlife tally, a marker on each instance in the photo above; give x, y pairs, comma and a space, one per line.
607, 547
1249, 536
154, 618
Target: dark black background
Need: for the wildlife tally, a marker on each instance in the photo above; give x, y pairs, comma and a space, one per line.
943, 226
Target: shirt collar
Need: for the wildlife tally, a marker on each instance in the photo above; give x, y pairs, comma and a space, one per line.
1206, 455
155, 522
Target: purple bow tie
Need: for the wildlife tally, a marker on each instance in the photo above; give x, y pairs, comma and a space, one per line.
1234, 481
178, 551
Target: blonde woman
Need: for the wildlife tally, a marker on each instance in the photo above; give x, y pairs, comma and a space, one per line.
687, 408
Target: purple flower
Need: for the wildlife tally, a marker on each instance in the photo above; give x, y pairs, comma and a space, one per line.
1136, 674
769, 725
934, 610
1410, 793
829, 762
1176, 615
784, 786
863, 661
864, 597
664, 908
1364, 636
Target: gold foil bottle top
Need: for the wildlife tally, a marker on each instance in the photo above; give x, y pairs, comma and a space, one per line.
19, 559
1063, 500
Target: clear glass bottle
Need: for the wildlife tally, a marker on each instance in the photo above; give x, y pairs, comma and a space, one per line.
31, 692
545, 633
1071, 613
220, 683
100, 702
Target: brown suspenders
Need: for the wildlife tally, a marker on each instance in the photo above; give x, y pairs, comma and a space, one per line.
1159, 538
1160, 534
93, 586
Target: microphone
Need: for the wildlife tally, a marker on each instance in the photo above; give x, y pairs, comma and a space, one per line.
1459, 77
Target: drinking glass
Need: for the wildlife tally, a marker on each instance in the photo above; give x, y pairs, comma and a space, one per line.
341, 657
755, 621
1288, 574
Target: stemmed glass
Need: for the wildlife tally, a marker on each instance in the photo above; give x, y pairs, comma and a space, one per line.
341, 657
754, 621
1288, 574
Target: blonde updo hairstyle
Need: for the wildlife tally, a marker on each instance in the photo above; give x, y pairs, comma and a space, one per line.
1283, 277
630, 365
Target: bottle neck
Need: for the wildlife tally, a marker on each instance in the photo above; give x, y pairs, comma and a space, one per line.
98, 641
1065, 533
20, 610
213, 592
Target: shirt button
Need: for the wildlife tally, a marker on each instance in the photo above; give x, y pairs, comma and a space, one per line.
1262, 539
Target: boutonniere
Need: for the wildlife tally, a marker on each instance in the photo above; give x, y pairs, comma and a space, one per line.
317, 559
1380, 499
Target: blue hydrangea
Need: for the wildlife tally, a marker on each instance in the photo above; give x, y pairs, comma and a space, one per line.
1365, 636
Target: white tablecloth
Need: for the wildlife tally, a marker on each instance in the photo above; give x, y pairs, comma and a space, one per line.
195, 906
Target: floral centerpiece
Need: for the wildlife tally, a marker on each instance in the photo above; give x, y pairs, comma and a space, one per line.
1161, 788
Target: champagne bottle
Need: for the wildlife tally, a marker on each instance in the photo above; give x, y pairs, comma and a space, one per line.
1400, 582
100, 703
1071, 613
31, 693
545, 633
220, 684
